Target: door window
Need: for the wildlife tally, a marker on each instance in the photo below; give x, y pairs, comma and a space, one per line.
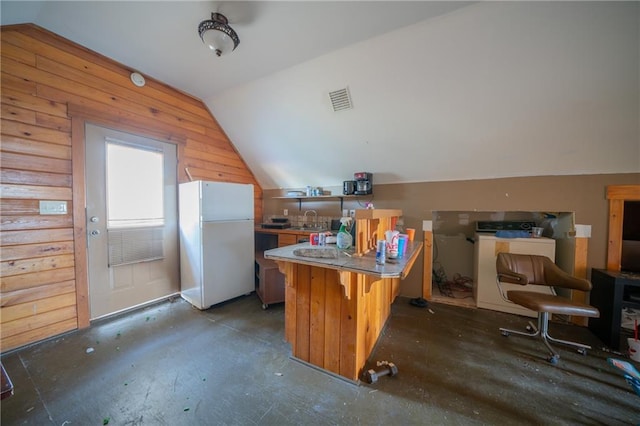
135, 205
134, 186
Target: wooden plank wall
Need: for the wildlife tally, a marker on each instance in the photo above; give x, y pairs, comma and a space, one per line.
44, 77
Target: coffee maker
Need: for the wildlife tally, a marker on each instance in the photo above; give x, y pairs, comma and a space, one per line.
364, 183
349, 187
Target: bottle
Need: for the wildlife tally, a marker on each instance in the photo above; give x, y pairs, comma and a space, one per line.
381, 249
344, 239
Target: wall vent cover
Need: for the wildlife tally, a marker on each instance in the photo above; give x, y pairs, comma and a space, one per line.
340, 99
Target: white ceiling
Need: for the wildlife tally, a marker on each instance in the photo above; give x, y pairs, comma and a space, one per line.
442, 90
160, 38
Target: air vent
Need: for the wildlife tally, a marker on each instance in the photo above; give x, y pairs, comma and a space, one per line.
340, 99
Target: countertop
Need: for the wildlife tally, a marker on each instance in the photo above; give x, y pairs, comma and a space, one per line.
366, 264
297, 231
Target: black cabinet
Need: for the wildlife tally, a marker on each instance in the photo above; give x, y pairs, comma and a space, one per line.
612, 291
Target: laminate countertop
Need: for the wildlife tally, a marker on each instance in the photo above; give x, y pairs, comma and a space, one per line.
347, 261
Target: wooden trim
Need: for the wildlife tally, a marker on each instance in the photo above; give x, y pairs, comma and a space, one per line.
617, 195
80, 221
428, 265
580, 271
614, 243
623, 192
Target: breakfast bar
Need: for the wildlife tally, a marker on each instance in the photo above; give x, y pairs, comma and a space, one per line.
337, 302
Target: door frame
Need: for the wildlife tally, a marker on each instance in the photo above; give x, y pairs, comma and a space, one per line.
617, 195
80, 116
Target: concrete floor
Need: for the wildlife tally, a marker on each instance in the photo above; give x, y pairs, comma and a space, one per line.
171, 364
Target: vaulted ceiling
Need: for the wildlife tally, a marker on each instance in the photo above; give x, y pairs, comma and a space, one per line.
440, 90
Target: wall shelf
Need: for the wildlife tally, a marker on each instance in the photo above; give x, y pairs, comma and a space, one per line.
320, 198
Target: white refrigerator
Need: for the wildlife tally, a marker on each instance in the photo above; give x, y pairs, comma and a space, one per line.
216, 242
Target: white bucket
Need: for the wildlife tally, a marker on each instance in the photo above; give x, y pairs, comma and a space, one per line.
634, 349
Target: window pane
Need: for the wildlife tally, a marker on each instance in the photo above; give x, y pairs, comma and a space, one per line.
134, 186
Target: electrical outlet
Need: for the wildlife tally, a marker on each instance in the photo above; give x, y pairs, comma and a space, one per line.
286, 212
352, 213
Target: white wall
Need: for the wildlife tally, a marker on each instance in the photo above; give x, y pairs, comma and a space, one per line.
491, 90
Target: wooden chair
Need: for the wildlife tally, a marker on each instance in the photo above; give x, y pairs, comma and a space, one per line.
527, 269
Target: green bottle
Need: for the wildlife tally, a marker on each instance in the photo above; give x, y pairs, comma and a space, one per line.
344, 238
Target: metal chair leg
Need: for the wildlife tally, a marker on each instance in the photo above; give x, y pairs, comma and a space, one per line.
530, 333
543, 331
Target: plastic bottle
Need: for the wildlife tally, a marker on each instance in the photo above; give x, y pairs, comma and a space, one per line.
344, 239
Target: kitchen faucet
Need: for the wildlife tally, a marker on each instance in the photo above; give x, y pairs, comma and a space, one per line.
314, 213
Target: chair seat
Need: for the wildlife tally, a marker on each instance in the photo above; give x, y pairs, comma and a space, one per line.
540, 302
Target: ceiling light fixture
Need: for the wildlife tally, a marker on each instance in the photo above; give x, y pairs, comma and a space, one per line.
218, 35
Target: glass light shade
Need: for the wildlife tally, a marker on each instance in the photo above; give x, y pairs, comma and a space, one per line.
218, 35
218, 41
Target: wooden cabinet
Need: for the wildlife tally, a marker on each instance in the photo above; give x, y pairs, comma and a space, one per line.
486, 290
287, 239
269, 281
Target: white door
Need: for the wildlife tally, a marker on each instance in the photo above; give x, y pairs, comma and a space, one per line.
131, 220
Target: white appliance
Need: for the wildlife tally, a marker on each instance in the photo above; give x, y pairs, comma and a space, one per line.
217, 251
486, 290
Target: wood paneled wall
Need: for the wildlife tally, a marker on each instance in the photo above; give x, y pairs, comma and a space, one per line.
46, 80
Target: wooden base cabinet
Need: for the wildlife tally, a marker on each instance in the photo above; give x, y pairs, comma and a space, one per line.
269, 281
333, 319
287, 239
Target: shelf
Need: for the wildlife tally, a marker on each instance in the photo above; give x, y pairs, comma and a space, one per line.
320, 198
630, 304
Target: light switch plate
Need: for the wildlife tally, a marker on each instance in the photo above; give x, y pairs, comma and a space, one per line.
53, 207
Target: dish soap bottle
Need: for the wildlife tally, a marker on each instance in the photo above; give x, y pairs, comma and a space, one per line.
344, 238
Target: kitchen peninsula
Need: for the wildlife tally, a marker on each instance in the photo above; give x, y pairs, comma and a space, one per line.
336, 307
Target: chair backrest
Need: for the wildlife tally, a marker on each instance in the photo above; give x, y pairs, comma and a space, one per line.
534, 269
521, 268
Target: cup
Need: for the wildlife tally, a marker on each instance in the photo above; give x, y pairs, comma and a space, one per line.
402, 244
536, 232
411, 233
404, 240
392, 243
634, 348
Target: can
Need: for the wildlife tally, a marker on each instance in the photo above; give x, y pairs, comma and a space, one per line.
313, 238
322, 239
381, 255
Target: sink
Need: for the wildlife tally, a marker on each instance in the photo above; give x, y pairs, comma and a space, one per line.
308, 229
321, 253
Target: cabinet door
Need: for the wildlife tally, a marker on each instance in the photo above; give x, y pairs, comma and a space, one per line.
287, 239
487, 293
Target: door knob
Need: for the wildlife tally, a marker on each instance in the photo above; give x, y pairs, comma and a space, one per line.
95, 232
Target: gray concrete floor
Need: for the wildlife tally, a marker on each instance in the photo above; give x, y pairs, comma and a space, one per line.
172, 364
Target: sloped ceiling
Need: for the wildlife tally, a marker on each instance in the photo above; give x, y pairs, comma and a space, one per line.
441, 90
